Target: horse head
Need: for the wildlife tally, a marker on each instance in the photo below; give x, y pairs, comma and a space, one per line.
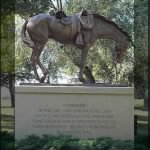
119, 51
107, 29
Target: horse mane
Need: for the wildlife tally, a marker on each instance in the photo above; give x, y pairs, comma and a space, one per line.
113, 23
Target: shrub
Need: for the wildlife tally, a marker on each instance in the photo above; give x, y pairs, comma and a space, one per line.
103, 143
123, 145
61, 142
141, 142
30, 142
7, 141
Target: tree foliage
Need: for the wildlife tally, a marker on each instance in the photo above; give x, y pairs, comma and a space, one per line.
61, 142
100, 56
7, 37
141, 50
7, 46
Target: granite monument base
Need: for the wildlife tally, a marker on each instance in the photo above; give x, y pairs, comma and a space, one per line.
79, 111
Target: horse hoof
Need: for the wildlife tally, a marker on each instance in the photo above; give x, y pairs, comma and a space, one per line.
38, 79
42, 79
46, 72
86, 82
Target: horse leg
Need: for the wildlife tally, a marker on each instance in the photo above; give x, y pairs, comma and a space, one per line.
34, 63
84, 53
87, 72
44, 70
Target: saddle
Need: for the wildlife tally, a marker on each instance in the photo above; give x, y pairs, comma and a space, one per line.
83, 21
61, 16
86, 23
86, 19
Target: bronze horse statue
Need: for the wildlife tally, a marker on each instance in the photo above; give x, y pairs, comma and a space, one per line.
80, 30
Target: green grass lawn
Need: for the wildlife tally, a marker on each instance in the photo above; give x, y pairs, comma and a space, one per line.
7, 128
139, 103
5, 102
7, 119
142, 115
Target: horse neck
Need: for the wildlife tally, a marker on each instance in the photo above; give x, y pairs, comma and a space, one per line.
106, 30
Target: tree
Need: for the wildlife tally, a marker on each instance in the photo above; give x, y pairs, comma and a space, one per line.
8, 46
141, 50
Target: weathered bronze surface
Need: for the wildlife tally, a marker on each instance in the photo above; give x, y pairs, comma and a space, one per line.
80, 30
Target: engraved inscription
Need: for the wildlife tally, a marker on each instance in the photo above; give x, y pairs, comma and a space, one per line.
74, 119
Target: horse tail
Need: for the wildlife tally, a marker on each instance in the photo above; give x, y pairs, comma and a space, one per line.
27, 41
132, 42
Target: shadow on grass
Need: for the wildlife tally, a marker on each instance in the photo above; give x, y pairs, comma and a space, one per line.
141, 139
142, 129
7, 118
7, 141
141, 142
7, 127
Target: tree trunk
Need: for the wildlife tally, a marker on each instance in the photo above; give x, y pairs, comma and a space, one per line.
58, 7
146, 99
11, 89
61, 5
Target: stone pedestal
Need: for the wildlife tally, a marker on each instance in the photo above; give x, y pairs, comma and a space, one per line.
80, 111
